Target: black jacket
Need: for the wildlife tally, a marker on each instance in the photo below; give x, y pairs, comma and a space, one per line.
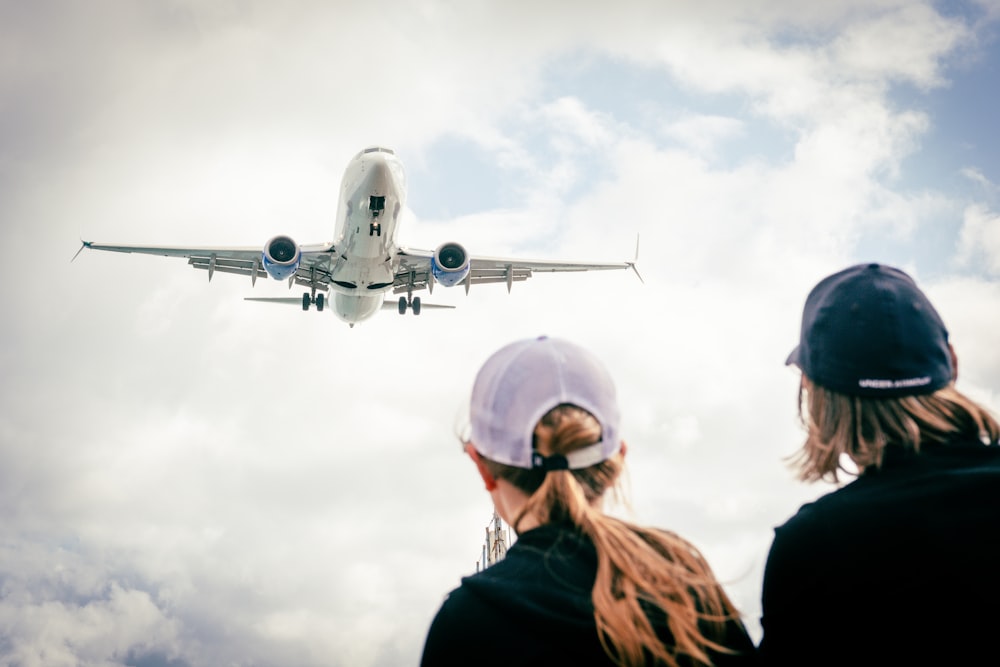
532, 608
898, 567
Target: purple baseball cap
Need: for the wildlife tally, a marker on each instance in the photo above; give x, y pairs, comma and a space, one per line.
523, 381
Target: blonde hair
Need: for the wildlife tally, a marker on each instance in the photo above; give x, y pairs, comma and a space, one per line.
861, 428
638, 569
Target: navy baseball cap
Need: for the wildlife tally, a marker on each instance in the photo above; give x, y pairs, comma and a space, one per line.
869, 331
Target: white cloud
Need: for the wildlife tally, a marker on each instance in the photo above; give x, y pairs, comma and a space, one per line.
969, 307
702, 134
979, 239
905, 44
570, 118
101, 629
977, 177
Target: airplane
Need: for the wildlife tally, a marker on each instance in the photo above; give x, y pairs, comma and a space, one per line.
363, 263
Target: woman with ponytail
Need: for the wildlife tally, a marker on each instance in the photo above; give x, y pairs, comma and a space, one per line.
578, 587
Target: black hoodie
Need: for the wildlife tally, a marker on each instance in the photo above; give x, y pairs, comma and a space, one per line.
899, 567
534, 608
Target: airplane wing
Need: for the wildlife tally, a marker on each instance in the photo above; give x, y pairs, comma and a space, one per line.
414, 271
296, 301
313, 269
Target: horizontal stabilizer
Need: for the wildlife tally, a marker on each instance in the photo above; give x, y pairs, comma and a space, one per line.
392, 305
291, 300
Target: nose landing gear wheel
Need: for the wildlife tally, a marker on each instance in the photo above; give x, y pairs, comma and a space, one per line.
402, 305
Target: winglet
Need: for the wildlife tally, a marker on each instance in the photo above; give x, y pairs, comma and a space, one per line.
633, 262
84, 244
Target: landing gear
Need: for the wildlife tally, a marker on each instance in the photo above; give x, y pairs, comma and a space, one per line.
308, 300
376, 204
413, 303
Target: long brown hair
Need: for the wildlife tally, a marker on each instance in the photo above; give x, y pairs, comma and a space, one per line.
838, 425
637, 568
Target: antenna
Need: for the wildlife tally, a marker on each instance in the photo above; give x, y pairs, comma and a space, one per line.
497, 542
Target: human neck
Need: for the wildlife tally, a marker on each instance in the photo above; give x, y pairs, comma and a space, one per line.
509, 501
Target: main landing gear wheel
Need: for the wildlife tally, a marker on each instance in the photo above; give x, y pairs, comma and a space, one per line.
308, 300
412, 303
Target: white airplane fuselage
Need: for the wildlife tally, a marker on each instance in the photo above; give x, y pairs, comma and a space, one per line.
352, 273
372, 196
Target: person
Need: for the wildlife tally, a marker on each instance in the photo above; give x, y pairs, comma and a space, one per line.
897, 567
577, 587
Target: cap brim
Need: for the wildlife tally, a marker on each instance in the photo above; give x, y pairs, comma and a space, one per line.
793, 358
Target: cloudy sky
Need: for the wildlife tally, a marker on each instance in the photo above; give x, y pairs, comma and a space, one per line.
188, 479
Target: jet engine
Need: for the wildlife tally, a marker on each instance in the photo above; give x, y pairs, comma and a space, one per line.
450, 264
281, 257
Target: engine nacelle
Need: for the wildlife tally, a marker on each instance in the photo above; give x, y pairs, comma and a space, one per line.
281, 257
450, 264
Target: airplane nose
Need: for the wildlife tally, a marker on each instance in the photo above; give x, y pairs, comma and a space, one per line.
377, 176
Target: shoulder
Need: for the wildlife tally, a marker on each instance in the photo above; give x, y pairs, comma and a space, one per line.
482, 600
457, 630
811, 518
463, 605
813, 534
455, 610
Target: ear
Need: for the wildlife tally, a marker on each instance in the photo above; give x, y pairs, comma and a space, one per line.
954, 362
488, 479
624, 449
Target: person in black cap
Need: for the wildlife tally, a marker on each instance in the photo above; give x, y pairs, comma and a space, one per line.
578, 587
898, 566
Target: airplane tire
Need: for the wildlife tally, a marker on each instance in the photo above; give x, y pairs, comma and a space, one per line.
416, 305
320, 302
402, 305
305, 301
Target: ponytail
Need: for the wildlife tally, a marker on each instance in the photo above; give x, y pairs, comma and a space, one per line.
643, 576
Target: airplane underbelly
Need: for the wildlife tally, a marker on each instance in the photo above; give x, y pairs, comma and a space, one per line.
362, 278
355, 308
370, 246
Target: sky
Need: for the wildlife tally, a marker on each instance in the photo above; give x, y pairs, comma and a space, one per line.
190, 479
